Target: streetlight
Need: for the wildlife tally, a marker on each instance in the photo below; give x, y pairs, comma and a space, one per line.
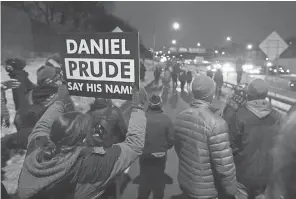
228, 38
249, 46
198, 44
223, 53
216, 51
174, 42
176, 26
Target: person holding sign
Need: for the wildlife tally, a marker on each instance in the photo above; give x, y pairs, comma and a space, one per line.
65, 167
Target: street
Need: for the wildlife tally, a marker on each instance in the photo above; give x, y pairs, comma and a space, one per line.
174, 105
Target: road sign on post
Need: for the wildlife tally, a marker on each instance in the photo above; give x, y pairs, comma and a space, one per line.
273, 46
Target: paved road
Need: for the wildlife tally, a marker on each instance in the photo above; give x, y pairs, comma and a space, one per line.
174, 105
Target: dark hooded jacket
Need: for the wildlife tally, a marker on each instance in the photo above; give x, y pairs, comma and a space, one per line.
253, 129
20, 95
116, 126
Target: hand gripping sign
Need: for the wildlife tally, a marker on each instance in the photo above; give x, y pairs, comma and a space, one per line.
102, 65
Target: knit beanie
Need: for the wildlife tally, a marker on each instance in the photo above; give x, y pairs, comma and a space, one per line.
155, 101
257, 89
44, 73
203, 88
54, 60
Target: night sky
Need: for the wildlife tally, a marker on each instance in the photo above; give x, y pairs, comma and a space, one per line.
208, 22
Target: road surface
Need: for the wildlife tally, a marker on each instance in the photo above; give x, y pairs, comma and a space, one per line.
174, 105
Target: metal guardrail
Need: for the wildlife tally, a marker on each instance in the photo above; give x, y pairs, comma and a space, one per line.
280, 102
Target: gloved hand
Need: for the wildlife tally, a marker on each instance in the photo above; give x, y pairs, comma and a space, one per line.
63, 95
11, 84
139, 98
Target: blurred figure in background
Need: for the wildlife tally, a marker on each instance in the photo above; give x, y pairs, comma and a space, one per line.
157, 73
5, 85
142, 71
282, 183
210, 73
182, 79
218, 78
202, 145
189, 80
239, 70
15, 69
159, 138
253, 129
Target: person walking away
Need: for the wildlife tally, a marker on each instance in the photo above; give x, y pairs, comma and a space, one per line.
157, 73
253, 130
110, 120
189, 80
59, 165
15, 69
182, 79
142, 71
159, 138
239, 70
166, 81
175, 77
202, 145
282, 183
110, 117
218, 78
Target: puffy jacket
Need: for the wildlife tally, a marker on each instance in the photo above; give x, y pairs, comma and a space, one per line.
253, 130
206, 166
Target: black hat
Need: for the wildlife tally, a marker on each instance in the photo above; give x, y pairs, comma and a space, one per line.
155, 101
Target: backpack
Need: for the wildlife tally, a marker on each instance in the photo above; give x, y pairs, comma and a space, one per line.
104, 123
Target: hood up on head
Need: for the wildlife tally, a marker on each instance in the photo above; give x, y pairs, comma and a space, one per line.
261, 108
100, 103
38, 173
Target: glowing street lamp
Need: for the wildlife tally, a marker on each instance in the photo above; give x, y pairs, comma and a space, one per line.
249, 46
198, 44
228, 38
176, 26
223, 53
216, 51
174, 42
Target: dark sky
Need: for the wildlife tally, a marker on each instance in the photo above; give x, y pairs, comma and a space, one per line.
209, 22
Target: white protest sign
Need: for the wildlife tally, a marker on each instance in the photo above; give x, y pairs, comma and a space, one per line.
102, 65
273, 46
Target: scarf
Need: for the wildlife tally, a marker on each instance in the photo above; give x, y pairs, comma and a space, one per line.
36, 176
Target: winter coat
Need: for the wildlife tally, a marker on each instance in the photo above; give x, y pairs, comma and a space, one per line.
159, 132
183, 76
206, 166
282, 183
218, 78
166, 77
82, 172
20, 95
117, 127
253, 129
189, 77
142, 71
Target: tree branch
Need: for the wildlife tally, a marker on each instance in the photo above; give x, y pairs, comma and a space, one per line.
43, 12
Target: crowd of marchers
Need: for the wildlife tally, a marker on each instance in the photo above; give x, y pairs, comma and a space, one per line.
248, 151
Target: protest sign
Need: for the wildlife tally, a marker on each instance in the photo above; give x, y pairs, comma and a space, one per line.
102, 65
